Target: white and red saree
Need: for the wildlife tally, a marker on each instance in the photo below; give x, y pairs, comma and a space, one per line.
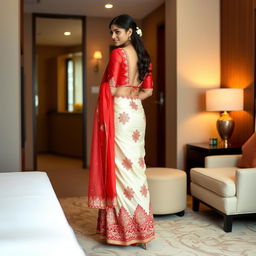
118, 184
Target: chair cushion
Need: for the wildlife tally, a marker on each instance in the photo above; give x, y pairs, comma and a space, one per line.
218, 180
248, 159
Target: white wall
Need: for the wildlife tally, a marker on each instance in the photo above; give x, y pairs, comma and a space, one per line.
10, 128
198, 68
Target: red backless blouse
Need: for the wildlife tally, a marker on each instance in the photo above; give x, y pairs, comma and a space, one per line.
118, 73
102, 178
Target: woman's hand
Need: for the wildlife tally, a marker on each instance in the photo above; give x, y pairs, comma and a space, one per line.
145, 93
113, 90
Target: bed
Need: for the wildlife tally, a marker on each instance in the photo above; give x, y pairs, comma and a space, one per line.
32, 222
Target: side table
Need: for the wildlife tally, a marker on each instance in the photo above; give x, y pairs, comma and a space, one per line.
197, 152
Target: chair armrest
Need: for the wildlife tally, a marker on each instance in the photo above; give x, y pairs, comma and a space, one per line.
246, 189
218, 161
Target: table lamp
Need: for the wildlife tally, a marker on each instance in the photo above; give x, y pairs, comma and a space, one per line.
224, 99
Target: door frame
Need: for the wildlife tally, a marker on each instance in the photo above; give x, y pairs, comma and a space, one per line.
84, 116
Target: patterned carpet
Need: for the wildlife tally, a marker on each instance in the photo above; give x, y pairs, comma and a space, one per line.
195, 234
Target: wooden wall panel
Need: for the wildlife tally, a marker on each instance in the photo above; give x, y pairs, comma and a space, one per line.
237, 60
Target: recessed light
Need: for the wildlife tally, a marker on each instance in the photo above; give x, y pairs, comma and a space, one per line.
67, 33
108, 6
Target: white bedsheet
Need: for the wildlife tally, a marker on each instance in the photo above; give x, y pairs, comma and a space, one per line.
32, 222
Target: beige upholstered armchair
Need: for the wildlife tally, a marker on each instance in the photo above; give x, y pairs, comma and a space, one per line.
226, 188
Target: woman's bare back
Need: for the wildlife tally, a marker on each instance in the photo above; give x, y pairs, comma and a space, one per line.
133, 74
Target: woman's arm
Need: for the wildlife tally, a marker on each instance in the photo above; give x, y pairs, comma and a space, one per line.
145, 93
147, 85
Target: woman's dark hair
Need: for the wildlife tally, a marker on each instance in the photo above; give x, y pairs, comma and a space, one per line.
126, 22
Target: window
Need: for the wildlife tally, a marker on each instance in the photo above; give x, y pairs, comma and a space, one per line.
70, 85
74, 89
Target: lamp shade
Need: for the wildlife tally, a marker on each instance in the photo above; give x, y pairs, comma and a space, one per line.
97, 55
224, 99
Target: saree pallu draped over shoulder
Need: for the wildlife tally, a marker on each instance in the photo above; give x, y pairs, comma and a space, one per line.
102, 181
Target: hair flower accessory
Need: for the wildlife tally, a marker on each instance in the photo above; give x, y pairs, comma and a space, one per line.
139, 31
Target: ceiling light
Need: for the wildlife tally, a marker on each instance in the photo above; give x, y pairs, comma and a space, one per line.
31, 1
67, 33
108, 6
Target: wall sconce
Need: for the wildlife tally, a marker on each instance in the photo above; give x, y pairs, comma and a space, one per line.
97, 56
224, 99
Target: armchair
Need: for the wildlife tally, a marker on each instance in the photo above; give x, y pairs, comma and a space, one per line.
224, 187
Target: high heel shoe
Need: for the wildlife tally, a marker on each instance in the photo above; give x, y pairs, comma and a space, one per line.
144, 246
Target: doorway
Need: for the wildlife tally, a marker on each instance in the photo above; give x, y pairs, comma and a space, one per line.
59, 109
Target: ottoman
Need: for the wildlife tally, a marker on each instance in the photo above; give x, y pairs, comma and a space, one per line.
168, 190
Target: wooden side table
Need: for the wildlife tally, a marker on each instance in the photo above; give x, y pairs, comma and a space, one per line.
197, 152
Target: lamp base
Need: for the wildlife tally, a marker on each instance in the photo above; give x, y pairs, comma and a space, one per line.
225, 143
225, 127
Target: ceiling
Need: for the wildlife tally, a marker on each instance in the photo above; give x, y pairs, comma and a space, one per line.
136, 8
50, 31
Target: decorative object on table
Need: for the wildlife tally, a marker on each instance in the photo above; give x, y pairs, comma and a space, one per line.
78, 107
97, 56
224, 99
213, 141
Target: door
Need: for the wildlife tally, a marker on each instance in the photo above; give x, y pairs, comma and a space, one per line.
155, 108
161, 95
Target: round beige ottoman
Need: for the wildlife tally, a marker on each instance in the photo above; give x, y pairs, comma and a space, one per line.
168, 190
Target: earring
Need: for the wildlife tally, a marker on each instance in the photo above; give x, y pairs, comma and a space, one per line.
129, 38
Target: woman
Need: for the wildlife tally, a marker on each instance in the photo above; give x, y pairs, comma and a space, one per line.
118, 185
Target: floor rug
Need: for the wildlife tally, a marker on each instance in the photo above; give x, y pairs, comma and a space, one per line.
194, 234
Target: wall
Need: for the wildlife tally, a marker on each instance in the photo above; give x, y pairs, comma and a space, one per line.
198, 68
98, 38
10, 128
237, 61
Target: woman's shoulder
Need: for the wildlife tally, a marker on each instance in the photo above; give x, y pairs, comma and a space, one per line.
117, 53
